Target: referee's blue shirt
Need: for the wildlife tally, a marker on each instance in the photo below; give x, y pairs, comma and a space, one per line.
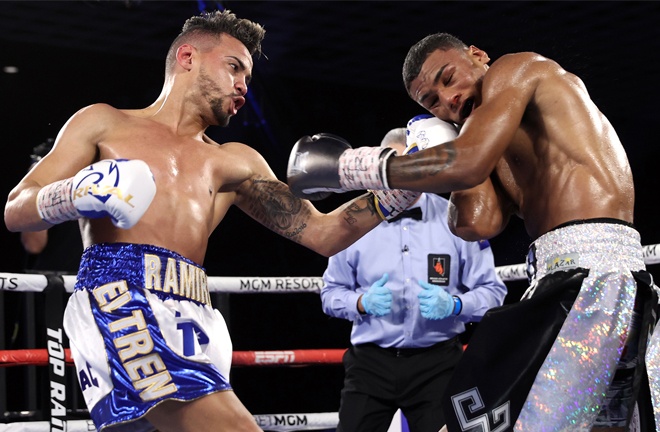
410, 250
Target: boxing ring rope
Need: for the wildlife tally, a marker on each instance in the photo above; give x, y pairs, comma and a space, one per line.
40, 357
235, 285
20, 282
268, 422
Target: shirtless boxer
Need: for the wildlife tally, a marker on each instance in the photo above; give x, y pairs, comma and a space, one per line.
534, 144
149, 187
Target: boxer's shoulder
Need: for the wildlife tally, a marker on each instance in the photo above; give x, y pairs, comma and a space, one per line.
236, 148
240, 159
103, 110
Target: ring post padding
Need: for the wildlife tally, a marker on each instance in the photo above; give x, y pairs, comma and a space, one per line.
56, 341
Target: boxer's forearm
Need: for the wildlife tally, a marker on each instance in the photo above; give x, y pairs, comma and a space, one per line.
21, 209
34, 242
437, 169
481, 212
342, 227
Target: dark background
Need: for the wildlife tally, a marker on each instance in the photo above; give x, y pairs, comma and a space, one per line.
330, 67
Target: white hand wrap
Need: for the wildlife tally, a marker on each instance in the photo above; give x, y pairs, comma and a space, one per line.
364, 168
389, 203
55, 204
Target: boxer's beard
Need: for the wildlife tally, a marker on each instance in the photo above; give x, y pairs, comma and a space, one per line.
220, 114
210, 92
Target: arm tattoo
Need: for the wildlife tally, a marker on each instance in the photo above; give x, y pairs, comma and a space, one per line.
441, 157
360, 205
447, 155
272, 204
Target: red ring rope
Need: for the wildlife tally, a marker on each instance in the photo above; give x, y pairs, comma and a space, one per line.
39, 357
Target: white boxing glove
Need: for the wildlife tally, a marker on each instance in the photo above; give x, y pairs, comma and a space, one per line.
428, 131
120, 189
422, 131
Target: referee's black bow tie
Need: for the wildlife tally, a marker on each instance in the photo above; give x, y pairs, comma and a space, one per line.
415, 213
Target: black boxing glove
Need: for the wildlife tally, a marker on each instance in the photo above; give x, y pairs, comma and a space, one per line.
326, 163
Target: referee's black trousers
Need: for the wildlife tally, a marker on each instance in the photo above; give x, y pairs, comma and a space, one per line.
378, 381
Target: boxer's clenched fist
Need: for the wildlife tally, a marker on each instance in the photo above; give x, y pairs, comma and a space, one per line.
426, 131
120, 189
326, 163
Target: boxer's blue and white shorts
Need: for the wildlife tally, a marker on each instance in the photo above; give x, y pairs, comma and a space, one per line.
142, 330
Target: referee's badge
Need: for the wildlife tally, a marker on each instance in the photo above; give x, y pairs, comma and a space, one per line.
438, 269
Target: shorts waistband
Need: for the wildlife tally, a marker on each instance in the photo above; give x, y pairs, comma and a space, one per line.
593, 220
163, 272
600, 244
408, 352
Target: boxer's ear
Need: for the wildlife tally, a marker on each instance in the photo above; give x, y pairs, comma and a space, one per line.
479, 56
184, 56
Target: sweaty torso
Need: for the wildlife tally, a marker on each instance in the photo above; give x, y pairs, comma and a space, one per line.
195, 180
565, 161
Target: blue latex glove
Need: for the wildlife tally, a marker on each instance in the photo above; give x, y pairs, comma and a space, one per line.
377, 301
435, 303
